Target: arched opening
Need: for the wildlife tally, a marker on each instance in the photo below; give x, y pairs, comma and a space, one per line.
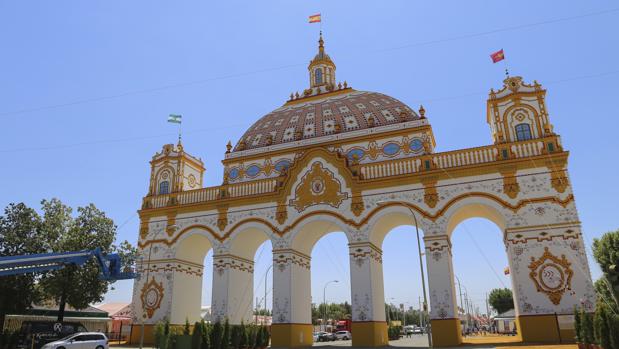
190, 268
481, 267
328, 300
249, 261
395, 233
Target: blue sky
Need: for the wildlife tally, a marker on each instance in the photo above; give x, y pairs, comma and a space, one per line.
87, 87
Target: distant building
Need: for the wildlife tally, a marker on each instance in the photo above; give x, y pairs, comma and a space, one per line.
120, 313
94, 319
506, 322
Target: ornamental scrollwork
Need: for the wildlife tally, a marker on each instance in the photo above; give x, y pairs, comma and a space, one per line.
552, 275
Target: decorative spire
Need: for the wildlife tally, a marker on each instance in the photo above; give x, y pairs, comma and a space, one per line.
321, 68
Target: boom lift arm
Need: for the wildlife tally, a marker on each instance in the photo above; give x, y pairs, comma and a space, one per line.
110, 264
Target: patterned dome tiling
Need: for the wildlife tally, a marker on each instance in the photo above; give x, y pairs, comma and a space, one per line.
333, 113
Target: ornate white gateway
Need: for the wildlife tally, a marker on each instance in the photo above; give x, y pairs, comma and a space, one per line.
336, 159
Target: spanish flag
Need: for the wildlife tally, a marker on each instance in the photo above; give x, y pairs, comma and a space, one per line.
314, 18
497, 56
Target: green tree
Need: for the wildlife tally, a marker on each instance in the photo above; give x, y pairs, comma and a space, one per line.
206, 336
501, 299
20, 234
216, 334
225, 337
606, 253
196, 336
244, 340
91, 229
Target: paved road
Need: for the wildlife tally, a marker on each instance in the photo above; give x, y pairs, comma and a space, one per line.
417, 341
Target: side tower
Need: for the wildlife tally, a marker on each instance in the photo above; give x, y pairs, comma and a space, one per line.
173, 170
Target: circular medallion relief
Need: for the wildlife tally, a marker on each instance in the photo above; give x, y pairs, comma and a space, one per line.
152, 296
318, 186
551, 276
165, 175
192, 180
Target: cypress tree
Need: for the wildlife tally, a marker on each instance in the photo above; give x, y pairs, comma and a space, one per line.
244, 340
216, 335
225, 337
196, 336
206, 340
577, 325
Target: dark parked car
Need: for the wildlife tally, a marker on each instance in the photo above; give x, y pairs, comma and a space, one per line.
43, 332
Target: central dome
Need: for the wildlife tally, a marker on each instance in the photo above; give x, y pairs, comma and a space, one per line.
339, 111
324, 109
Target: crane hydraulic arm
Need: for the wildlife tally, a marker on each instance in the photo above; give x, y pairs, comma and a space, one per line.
110, 264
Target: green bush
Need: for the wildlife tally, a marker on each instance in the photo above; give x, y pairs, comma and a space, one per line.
577, 325
216, 335
196, 336
225, 337
187, 328
586, 327
393, 332
206, 338
244, 340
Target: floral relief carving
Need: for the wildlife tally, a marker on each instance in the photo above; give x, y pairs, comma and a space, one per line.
280, 310
361, 309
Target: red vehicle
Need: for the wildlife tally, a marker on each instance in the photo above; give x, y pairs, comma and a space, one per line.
344, 325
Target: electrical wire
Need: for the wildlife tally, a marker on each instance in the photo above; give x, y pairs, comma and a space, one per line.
288, 66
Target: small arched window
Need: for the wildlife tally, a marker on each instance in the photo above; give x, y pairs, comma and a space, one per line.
318, 76
523, 132
164, 187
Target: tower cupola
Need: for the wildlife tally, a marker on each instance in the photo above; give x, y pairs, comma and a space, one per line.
321, 68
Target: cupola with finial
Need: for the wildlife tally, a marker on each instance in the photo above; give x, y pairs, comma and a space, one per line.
321, 68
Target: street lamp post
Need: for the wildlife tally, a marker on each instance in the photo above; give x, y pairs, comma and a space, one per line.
265, 290
461, 303
423, 281
324, 302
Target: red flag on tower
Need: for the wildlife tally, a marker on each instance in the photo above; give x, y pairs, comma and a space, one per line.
497, 56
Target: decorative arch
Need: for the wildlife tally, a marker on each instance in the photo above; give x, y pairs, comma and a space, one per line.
246, 238
304, 237
474, 207
389, 217
193, 244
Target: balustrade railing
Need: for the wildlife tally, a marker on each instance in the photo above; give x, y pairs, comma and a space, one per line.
368, 171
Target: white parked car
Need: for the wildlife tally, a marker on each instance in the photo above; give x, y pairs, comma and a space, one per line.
80, 340
343, 335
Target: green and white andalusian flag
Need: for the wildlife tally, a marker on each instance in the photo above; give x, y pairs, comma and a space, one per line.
175, 118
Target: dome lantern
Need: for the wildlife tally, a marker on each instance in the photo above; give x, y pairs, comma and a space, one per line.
321, 68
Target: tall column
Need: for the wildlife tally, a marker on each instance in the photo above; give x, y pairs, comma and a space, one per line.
292, 314
550, 276
369, 325
446, 328
233, 289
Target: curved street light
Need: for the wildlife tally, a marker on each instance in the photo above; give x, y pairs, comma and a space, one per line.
423, 281
324, 301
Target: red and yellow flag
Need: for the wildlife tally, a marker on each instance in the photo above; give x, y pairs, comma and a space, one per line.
497, 56
314, 18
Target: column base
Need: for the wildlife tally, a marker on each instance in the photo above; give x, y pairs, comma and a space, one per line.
446, 332
369, 334
136, 334
538, 328
291, 335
